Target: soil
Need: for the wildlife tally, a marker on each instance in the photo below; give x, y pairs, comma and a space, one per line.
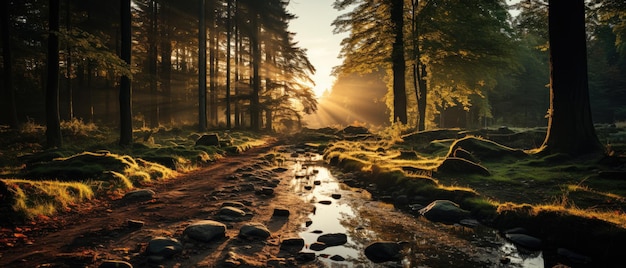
86, 235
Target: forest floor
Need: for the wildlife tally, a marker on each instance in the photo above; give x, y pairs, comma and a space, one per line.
105, 228
98, 230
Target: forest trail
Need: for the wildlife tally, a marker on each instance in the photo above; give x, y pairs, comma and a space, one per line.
87, 235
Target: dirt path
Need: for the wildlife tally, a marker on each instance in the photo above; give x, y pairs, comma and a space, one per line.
89, 234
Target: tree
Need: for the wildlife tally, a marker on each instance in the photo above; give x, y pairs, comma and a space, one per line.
125, 94
202, 66
372, 45
570, 126
53, 121
398, 66
9, 92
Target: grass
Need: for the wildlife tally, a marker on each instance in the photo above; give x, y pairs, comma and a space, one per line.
42, 181
539, 184
32, 198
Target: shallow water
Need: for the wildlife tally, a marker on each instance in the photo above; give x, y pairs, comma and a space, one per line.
365, 221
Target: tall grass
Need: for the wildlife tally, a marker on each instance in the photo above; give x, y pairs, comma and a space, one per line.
33, 198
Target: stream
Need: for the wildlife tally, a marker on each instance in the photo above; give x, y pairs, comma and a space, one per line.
340, 208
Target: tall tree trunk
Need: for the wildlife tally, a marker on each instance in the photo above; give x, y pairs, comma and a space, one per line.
202, 67
7, 56
166, 66
125, 97
152, 67
423, 94
53, 121
570, 127
70, 93
212, 57
238, 60
256, 79
397, 61
228, 39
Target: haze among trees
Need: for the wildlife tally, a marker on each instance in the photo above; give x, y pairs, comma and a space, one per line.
143, 68
472, 64
234, 64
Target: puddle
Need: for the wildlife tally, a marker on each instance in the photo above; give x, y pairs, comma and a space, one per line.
352, 212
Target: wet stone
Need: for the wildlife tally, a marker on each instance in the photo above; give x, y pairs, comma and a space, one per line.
337, 258
231, 212
139, 195
205, 230
317, 246
336, 196
444, 211
317, 182
304, 257
254, 230
164, 247
524, 240
294, 242
384, 251
335, 239
325, 202
135, 224
233, 204
308, 187
266, 191
280, 212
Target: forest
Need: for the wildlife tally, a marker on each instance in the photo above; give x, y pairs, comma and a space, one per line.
160, 133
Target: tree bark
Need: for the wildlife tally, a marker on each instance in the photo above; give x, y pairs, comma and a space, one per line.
202, 67
166, 66
398, 64
256, 79
8, 65
229, 30
125, 97
53, 121
152, 66
570, 126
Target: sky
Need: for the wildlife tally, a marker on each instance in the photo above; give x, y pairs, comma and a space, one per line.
314, 33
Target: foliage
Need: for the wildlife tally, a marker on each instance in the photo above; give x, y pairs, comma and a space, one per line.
33, 198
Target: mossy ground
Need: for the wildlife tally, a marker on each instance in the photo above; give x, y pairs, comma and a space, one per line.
91, 163
545, 193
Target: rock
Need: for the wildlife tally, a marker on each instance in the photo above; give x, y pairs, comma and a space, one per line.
233, 204
139, 195
276, 262
304, 257
462, 153
383, 251
524, 240
444, 211
337, 258
573, 256
294, 242
334, 239
317, 246
115, 264
231, 212
135, 224
336, 196
456, 165
205, 230
164, 247
254, 230
401, 201
280, 212
208, 140
266, 191
354, 130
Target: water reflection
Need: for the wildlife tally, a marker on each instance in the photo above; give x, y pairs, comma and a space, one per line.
363, 220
